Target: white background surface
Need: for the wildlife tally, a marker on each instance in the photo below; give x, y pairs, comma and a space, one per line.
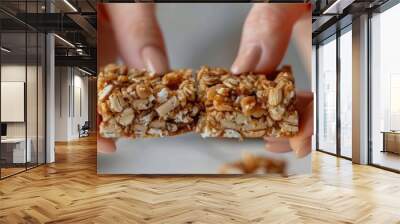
12, 101
195, 35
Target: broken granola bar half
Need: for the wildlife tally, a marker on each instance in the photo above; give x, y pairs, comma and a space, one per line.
246, 105
135, 103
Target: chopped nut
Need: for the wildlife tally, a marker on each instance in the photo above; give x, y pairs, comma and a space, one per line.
110, 129
133, 73
172, 80
105, 92
229, 124
122, 78
248, 103
222, 103
172, 127
116, 103
231, 82
255, 125
154, 131
142, 104
143, 91
151, 98
254, 134
258, 112
275, 96
103, 108
246, 86
288, 128
126, 117
195, 111
292, 118
146, 119
269, 122
289, 93
242, 119
139, 130
274, 132
182, 117
165, 108
229, 133
110, 76
160, 124
188, 89
277, 112
210, 79
162, 96
211, 93
223, 91
101, 82
182, 98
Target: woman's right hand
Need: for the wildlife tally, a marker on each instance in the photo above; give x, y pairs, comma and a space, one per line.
131, 32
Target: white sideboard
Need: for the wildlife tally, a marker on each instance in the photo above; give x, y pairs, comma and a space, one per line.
19, 154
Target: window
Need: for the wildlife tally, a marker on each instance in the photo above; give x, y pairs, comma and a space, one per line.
385, 89
346, 92
22, 77
327, 96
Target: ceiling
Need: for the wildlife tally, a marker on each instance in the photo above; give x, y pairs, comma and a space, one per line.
72, 20
332, 15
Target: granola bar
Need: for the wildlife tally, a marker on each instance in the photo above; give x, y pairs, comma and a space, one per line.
136, 103
246, 105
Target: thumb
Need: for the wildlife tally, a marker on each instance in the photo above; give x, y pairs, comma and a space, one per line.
301, 143
138, 36
265, 37
104, 145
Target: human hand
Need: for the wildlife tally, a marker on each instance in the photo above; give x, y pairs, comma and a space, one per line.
265, 38
135, 37
301, 143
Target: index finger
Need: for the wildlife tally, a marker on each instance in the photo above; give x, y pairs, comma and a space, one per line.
265, 37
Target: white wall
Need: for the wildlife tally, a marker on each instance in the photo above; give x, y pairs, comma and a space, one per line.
14, 73
61, 103
79, 117
69, 82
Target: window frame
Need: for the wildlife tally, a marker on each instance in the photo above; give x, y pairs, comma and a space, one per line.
337, 34
31, 30
381, 9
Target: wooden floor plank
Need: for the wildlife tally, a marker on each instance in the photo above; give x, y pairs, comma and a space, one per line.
70, 191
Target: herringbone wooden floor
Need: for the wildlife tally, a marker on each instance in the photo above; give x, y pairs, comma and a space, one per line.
69, 191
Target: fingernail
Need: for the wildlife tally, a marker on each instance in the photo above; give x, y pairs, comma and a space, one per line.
247, 61
303, 149
154, 59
